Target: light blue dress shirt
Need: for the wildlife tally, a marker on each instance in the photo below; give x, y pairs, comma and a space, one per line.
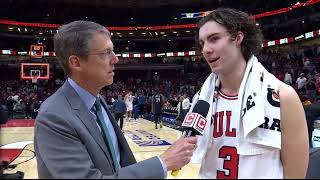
89, 101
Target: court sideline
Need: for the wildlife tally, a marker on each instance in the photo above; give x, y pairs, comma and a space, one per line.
144, 141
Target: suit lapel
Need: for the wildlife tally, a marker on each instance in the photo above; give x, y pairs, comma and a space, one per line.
81, 111
125, 150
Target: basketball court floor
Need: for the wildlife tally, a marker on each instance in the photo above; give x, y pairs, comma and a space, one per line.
145, 142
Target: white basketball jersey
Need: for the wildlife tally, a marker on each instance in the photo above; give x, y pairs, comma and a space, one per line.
128, 102
222, 160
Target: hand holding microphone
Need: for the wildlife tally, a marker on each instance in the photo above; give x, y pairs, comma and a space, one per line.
195, 123
179, 153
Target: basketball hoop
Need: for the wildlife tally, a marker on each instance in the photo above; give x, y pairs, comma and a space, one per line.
35, 71
34, 79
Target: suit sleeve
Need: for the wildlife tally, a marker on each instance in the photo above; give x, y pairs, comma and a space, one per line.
64, 155
147, 169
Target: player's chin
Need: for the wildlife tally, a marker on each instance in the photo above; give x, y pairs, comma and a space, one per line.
215, 70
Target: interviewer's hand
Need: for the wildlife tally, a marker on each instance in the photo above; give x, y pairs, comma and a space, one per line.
179, 153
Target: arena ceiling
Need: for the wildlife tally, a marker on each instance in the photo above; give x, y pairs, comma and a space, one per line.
135, 3
122, 3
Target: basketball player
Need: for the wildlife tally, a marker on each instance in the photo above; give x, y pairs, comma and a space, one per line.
228, 39
128, 99
156, 107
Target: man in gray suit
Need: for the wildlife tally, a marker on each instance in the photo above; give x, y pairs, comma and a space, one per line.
75, 134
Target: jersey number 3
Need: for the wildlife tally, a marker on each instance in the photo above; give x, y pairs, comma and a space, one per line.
230, 164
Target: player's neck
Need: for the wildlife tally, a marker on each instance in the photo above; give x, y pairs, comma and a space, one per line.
231, 81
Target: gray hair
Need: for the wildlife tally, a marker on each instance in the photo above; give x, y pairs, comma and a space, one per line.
74, 39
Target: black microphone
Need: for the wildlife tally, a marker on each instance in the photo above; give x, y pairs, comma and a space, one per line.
195, 122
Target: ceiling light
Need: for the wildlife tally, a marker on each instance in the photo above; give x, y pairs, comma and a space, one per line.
130, 33
174, 32
187, 31
11, 28
162, 32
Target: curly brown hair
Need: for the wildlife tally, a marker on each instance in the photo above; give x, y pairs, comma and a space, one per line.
237, 21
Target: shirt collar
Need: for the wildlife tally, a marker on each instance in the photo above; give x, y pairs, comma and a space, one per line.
85, 96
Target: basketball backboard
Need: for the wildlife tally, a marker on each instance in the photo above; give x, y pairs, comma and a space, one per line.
37, 71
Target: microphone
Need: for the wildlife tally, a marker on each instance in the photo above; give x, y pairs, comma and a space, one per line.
195, 122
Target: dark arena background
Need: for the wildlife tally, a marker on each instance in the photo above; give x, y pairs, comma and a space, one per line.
155, 43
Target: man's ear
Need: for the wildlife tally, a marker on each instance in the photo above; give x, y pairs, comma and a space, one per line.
239, 38
74, 63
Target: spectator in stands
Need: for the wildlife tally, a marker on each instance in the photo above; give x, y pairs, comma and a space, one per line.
10, 106
185, 104
3, 120
238, 92
141, 100
311, 89
181, 112
318, 50
174, 101
35, 108
301, 83
288, 78
19, 106
318, 85
28, 108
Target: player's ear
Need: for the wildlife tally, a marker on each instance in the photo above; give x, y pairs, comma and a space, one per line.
239, 38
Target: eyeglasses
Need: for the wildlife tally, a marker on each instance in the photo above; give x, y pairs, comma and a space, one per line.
104, 55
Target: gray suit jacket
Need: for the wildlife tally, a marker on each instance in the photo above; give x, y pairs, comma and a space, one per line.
68, 143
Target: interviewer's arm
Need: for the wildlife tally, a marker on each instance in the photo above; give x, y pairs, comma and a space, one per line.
69, 158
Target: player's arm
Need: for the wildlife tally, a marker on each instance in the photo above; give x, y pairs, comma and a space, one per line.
164, 99
294, 134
